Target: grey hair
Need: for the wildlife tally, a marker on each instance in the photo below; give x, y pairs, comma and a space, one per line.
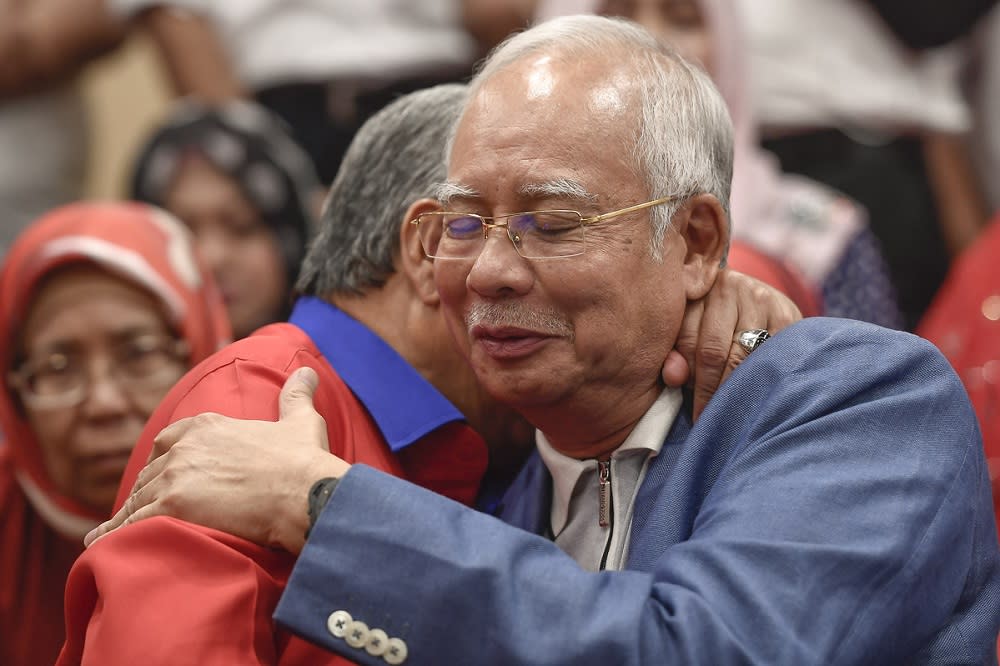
683, 144
394, 159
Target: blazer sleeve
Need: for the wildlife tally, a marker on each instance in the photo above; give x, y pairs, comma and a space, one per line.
163, 591
758, 580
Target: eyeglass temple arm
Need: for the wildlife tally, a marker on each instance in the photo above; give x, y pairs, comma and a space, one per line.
615, 213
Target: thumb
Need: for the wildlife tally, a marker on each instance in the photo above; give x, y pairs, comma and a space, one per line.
169, 436
297, 392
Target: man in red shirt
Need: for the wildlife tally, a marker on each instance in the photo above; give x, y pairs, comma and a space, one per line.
393, 391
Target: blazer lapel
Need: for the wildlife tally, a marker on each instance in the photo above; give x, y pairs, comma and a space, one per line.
653, 522
528, 502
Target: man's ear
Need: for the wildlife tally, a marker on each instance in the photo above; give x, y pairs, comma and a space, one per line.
704, 226
413, 263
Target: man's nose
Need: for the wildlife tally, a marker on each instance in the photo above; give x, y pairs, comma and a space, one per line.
499, 269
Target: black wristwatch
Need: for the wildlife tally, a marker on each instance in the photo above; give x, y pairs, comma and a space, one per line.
319, 495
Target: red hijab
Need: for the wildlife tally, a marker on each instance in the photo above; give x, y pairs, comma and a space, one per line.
964, 322
41, 530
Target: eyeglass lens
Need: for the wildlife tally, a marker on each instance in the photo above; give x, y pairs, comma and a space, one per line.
142, 362
535, 235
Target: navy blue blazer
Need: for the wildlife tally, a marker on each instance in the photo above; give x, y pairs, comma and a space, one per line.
831, 506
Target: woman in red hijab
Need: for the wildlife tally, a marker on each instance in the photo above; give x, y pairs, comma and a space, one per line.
964, 322
102, 308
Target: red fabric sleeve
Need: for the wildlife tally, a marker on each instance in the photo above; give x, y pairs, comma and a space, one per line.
163, 591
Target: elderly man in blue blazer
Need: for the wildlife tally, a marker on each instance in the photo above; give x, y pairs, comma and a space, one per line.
830, 506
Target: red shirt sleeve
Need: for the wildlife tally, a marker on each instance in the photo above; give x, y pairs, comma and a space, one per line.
163, 591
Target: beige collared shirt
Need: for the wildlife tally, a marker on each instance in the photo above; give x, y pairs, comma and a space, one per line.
576, 496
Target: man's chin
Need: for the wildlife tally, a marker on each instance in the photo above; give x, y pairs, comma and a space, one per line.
518, 390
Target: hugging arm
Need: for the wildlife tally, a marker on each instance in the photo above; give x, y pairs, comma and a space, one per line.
269, 512
815, 523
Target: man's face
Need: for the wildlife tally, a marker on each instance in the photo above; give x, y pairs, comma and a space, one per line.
593, 329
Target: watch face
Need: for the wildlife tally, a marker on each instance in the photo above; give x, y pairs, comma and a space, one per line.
319, 495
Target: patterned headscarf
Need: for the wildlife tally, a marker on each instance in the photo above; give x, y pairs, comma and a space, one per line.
252, 147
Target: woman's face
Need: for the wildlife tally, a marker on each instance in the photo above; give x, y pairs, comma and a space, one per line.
680, 23
239, 248
98, 358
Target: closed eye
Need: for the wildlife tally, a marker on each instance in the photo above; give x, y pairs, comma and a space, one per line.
545, 223
463, 227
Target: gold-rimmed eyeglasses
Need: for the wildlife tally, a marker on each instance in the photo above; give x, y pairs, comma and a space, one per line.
539, 234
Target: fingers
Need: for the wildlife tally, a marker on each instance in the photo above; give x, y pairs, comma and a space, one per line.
172, 434
737, 353
147, 474
105, 527
298, 391
713, 357
736, 303
782, 314
687, 337
137, 507
766, 308
296, 395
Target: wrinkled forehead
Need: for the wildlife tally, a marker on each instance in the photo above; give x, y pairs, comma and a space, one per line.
565, 97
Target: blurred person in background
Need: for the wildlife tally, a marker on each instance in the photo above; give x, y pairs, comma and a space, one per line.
970, 31
983, 81
849, 95
43, 121
808, 240
324, 66
964, 322
248, 193
103, 307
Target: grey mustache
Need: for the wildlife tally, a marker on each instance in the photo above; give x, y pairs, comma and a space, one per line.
515, 315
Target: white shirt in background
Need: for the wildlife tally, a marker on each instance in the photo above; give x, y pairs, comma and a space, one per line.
835, 63
295, 41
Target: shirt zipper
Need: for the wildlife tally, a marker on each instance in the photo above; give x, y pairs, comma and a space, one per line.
605, 506
604, 493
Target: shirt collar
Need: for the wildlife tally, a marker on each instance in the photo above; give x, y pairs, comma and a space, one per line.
646, 437
404, 405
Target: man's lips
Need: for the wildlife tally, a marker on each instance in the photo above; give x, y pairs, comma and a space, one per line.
507, 342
